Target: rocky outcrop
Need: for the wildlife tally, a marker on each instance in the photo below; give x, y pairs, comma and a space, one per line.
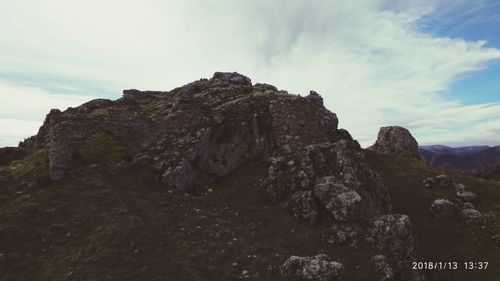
396, 140
337, 174
195, 134
316, 268
443, 209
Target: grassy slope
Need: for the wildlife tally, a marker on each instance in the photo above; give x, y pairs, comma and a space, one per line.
444, 240
109, 224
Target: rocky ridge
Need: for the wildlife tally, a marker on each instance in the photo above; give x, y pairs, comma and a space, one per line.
205, 130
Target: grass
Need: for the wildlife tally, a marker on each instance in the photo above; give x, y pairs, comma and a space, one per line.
113, 225
100, 147
444, 240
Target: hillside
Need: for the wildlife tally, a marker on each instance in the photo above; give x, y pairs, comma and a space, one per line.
222, 179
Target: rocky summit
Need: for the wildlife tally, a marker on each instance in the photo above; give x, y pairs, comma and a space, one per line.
222, 179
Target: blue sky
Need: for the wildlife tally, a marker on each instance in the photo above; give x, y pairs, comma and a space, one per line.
473, 21
431, 66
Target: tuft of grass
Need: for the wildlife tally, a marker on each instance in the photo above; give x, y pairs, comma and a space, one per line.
102, 147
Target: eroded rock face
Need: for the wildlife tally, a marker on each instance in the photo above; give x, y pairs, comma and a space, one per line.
316, 268
396, 140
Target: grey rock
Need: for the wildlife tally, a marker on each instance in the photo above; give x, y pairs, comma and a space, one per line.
444, 181
393, 234
466, 196
342, 202
396, 140
472, 217
443, 209
315, 268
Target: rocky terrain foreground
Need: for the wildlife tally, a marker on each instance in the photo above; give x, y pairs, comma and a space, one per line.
222, 179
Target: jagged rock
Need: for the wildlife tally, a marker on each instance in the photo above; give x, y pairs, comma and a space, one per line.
304, 207
316, 268
472, 217
443, 209
342, 202
396, 140
466, 196
383, 268
394, 234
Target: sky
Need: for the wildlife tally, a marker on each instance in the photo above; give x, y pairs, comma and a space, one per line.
430, 66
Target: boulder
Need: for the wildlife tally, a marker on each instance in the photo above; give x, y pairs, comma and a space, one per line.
443, 181
472, 217
342, 202
466, 196
443, 209
393, 234
396, 140
315, 268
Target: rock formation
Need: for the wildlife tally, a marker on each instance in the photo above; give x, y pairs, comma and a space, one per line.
193, 135
396, 140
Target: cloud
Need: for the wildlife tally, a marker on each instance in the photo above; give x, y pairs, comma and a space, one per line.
370, 60
23, 110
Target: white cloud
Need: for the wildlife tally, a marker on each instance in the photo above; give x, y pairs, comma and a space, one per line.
368, 59
23, 110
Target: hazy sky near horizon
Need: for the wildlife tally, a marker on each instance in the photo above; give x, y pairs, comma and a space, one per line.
430, 66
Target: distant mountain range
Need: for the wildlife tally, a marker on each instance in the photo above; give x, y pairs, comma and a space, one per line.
470, 159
